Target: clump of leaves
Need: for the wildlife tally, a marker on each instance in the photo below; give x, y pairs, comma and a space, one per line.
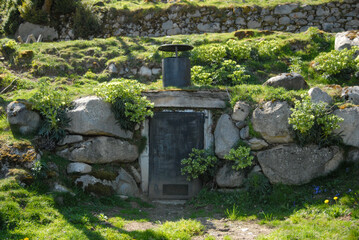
241, 156
200, 163
336, 66
314, 122
52, 104
127, 103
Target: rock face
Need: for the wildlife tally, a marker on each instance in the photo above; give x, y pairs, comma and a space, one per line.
93, 116
317, 95
295, 165
353, 156
289, 81
226, 177
271, 122
257, 144
21, 119
69, 139
346, 40
25, 29
125, 184
240, 111
226, 135
349, 128
351, 94
78, 168
101, 150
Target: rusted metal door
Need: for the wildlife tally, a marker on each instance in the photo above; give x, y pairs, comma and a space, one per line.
172, 137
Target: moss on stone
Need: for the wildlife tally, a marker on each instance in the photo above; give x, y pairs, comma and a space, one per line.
104, 174
100, 189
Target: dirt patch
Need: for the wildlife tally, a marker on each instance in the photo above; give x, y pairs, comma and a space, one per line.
215, 225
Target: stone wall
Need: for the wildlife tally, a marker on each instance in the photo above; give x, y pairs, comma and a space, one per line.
180, 19
105, 159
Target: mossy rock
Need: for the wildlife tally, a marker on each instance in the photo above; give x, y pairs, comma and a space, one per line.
100, 189
105, 174
21, 175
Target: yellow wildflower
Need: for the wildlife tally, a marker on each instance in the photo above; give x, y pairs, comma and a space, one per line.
326, 201
335, 198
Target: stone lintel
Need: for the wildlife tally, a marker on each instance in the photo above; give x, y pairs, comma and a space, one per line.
188, 99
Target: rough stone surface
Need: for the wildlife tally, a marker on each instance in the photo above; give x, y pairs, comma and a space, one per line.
240, 111
79, 168
21, 119
244, 133
285, 9
94, 185
125, 184
26, 28
188, 99
346, 40
93, 116
145, 71
289, 81
349, 128
136, 175
69, 139
353, 156
101, 150
257, 144
295, 165
226, 135
318, 95
351, 94
271, 121
226, 177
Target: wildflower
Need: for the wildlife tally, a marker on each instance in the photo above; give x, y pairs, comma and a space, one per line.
335, 198
326, 201
26, 238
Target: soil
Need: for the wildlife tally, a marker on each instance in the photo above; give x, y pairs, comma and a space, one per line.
216, 225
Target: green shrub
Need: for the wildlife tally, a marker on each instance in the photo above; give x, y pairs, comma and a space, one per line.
200, 76
239, 51
85, 22
314, 122
128, 105
31, 11
64, 6
337, 66
199, 164
52, 104
11, 21
208, 54
8, 48
241, 157
229, 73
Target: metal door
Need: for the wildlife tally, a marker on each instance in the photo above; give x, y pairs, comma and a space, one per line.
172, 137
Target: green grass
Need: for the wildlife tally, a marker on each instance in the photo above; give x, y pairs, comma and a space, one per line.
37, 214
141, 4
297, 212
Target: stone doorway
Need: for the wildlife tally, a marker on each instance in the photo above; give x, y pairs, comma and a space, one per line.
172, 135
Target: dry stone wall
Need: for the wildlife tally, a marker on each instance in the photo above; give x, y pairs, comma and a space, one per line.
180, 19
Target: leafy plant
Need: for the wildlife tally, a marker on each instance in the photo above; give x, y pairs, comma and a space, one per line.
52, 104
314, 122
200, 76
258, 186
11, 20
238, 51
127, 103
85, 22
336, 65
8, 48
241, 157
200, 163
31, 11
